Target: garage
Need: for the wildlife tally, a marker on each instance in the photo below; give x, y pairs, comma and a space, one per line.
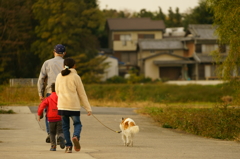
170, 73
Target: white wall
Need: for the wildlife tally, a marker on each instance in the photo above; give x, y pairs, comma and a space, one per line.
112, 70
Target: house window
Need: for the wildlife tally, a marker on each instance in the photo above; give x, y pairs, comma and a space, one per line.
129, 58
198, 48
116, 37
208, 48
146, 36
124, 38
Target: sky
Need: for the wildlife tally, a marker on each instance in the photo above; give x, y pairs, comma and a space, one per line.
150, 5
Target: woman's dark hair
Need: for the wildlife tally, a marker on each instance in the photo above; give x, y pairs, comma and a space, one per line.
67, 64
53, 87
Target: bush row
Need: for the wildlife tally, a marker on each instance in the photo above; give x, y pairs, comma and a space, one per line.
156, 93
159, 93
220, 123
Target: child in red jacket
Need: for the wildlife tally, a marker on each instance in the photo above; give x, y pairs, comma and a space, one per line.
55, 121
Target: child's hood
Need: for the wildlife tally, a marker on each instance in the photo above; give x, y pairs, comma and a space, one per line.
53, 97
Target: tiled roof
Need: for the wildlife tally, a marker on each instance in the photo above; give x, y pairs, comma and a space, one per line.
166, 53
183, 60
120, 24
163, 44
174, 62
203, 31
206, 58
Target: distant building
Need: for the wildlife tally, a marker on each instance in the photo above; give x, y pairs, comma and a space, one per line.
165, 59
205, 41
112, 67
124, 35
181, 58
174, 32
164, 53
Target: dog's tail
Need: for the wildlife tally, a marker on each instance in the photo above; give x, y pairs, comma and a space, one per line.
134, 129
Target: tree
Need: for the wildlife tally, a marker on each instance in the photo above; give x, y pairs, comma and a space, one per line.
160, 15
16, 25
148, 14
144, 13
174, 19
72, 23
227, 21
177, 18
90, 70
109, 13
201, 14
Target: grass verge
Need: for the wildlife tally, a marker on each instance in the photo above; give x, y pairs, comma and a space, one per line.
191, 108
220, 123
2, 111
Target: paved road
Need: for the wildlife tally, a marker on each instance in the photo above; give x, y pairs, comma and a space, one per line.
21, 136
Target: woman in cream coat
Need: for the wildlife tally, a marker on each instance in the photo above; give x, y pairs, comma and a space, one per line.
71, 93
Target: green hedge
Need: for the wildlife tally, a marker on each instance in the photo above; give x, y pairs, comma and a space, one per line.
156, 93
162, 93
218, 123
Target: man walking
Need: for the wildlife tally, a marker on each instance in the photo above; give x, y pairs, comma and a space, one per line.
49, 71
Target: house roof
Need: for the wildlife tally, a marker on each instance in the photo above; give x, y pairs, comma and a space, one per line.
184, 60
202, 31
163, 44
166, 53
205, 58
131, 24
174, 62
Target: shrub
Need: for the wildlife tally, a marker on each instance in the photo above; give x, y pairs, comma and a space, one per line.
116, 79
138, 79
131, 80
218, 123
2, 111
89, 78
158, 93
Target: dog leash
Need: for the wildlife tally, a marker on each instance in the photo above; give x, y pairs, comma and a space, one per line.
105, 125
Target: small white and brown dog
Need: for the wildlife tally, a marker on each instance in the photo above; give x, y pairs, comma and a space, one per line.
128, 128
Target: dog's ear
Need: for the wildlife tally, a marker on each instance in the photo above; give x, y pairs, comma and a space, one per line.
122, 118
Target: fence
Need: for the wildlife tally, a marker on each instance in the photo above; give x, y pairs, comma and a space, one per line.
23, 82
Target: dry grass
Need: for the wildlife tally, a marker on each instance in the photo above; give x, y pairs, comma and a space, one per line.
105, 103
216, 122
172, 109
142, 104
18, 96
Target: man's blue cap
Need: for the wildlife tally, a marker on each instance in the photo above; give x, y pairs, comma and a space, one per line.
59, 48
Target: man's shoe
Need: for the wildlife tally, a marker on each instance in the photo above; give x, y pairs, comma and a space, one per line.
68, 149
48, 139
76, 144
61, 142
53, 148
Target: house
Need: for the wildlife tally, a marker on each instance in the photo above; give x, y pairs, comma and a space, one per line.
167, 59
124, 35
164, 53
181, 58
205, 41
